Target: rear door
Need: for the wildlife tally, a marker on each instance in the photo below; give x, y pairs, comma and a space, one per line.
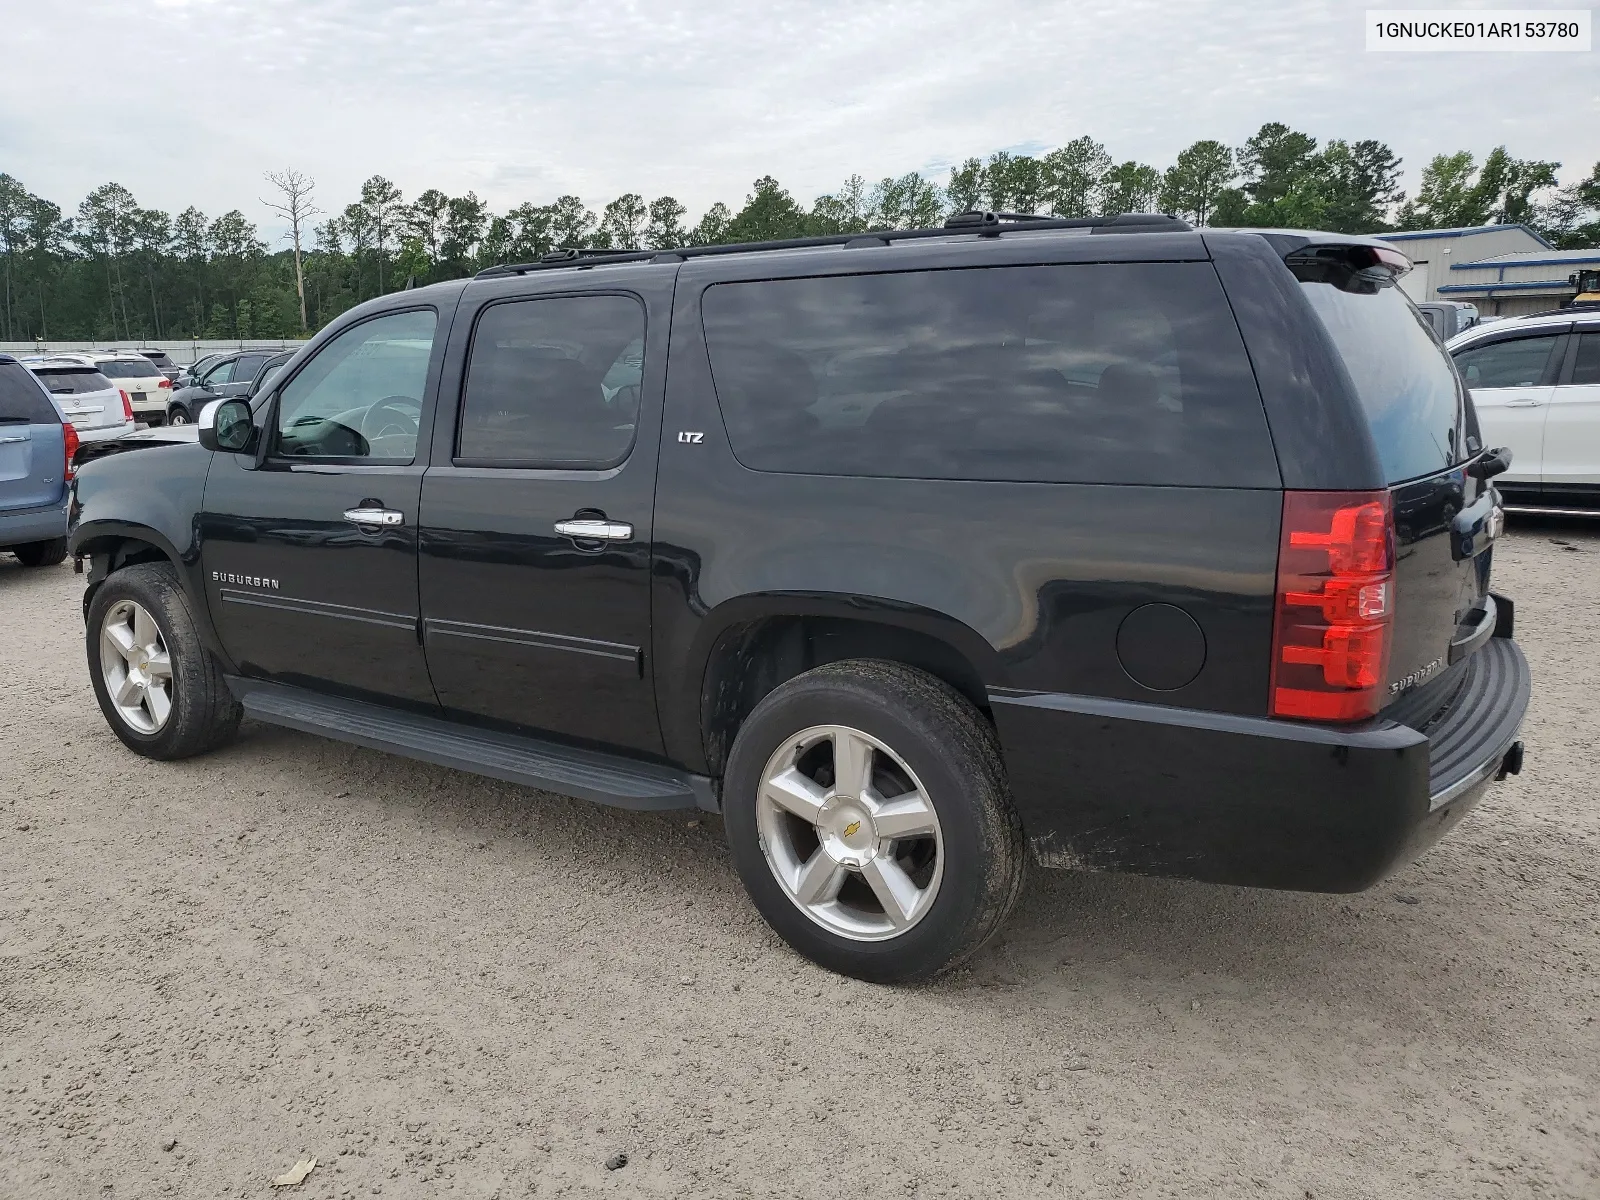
537, 512
1512, 377
1572, 429
1444, 517
32, 443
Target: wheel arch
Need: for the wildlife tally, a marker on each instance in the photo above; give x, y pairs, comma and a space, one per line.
111, 545
750, 645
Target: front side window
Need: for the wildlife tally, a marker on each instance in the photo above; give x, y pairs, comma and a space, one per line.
1091, 373
220, 374
553, 383
1519, 362
360, 396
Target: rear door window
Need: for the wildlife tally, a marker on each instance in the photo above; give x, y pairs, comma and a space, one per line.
1091, 373
1401, 373
1586, 368
22, 400
1513, 362
553, 383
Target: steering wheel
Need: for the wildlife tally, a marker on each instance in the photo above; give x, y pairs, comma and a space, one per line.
393, 416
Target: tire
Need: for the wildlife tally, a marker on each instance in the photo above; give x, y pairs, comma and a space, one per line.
178, 415
41, 554
929, 749
200, 713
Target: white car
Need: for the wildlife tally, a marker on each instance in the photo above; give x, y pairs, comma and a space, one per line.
97, 408
148, 389
1535, 383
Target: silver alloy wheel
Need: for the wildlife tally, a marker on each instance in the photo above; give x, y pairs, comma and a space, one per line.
849, 833
136, 667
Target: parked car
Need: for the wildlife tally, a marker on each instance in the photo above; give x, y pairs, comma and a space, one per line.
231, 375
1535, 385
148, 389
1157, 550
160, 358
36, 449
97, 408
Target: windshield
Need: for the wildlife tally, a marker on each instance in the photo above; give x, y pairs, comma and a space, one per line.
1402, 375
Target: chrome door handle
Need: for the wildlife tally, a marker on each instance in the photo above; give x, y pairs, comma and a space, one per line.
594, 529
375, 518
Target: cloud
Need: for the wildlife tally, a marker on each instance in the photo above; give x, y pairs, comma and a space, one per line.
189, 101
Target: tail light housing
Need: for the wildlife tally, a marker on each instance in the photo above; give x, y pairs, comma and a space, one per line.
70, 439
127, 405
1334, 617
165, 383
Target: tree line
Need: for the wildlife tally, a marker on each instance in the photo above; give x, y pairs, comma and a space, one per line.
113, 269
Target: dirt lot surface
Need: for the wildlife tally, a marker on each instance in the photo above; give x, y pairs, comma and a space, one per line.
436, 984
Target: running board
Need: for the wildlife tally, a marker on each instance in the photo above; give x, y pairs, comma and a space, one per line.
1540, 510
531, 762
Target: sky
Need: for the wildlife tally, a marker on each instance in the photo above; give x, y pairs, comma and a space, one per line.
190, 101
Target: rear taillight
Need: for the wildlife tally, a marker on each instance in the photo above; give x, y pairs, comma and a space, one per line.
70, 437
165, 383
127, 405
1335, 605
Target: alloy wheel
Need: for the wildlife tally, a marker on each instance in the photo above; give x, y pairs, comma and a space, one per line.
136, 667
849, 833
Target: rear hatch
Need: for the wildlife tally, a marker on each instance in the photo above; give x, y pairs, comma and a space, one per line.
87, 398
1445, 517
32, 444
148, 390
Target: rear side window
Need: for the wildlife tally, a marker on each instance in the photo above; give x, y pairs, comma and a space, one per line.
553, 383
1091, 373
72, 381
1587, 367
1516, 362
244, 370
1401, 373
22, 399
128, 369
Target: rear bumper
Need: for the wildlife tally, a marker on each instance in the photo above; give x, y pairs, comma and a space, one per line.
105, 433
1111, 785
33, 525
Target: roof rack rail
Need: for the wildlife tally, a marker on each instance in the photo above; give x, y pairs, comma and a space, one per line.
984, 224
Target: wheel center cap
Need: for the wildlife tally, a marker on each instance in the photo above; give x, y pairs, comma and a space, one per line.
846, 831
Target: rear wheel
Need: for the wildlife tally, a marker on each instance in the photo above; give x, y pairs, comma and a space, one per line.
41, 554
178, 415
867, 809
161, 690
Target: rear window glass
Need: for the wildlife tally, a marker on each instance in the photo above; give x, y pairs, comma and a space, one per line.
22, 399
1402, 377
1092, 373
71, 381
128, 369
159, 357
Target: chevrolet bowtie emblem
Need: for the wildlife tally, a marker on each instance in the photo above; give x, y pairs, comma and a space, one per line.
850, 829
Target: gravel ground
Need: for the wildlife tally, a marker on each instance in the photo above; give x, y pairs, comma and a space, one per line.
440, 984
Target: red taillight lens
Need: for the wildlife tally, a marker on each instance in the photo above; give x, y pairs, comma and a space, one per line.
70, 437
1335, 605
127, 405
165, 383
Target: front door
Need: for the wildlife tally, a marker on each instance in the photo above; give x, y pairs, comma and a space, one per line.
1511, 380
310, 550
536, 517
1572, 432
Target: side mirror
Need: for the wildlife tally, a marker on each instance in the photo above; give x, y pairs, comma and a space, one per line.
227, 425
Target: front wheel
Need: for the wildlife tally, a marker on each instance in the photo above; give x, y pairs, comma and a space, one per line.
179, 416
869, 818
161, 690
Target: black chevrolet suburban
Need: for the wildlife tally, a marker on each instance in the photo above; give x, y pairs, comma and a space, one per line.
1119, 544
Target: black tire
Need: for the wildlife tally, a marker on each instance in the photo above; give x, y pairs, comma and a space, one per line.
41, 554
204, 713
953, 751
179, 415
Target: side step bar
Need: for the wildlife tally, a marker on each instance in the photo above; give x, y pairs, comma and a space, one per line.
1540, 510
531, 762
